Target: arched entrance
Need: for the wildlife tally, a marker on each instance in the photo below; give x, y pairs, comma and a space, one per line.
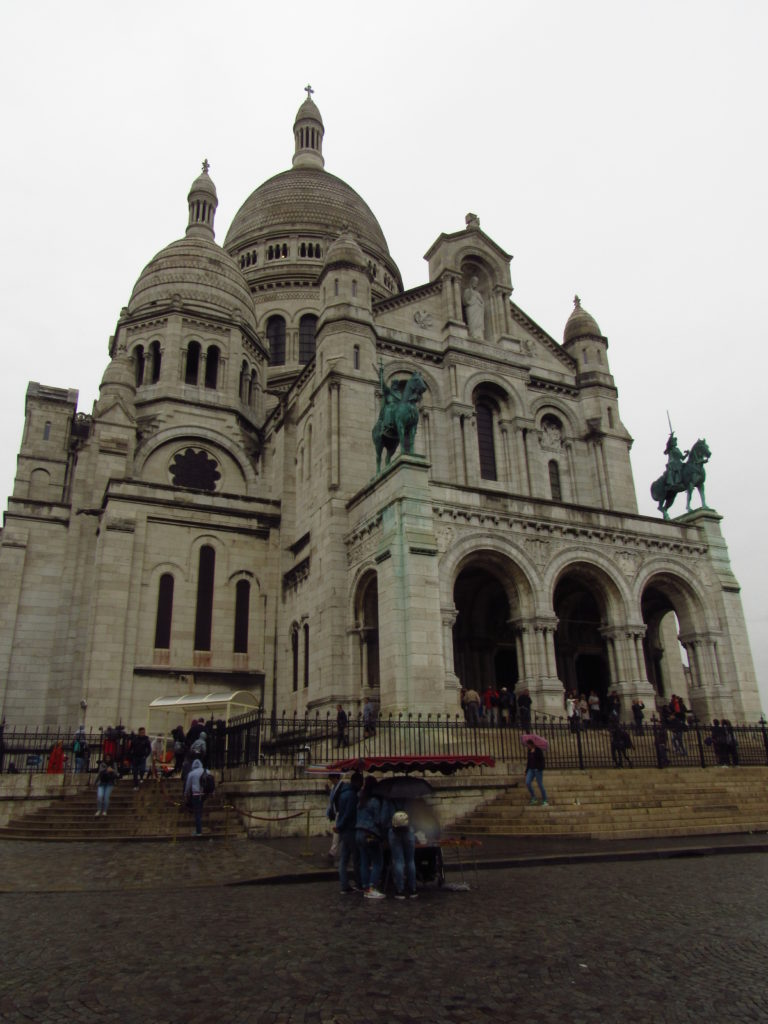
581, 654
664, 609
484, 653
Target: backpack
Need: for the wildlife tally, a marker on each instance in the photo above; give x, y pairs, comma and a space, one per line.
207, 783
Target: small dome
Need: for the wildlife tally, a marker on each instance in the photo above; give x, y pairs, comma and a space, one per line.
580, 324
203, 183
119, 375
345, 249
308, 111
201, 274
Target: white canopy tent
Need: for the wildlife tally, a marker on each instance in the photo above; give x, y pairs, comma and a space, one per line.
165, 713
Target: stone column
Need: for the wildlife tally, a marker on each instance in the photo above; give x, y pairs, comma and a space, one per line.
540, 679
334, 460
522, 456
448, 618
628, 678
573, 480
458, 448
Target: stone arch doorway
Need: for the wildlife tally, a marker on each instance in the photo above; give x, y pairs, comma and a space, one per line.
581, 653
367, 615
665, 606
484, 646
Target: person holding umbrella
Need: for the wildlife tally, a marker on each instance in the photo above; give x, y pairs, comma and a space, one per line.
534, 767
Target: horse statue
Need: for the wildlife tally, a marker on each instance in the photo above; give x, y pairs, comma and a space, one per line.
398, 417
684, 472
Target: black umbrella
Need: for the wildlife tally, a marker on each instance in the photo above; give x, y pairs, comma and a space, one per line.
403, 787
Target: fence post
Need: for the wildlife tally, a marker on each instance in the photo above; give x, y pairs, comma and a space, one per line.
765, 736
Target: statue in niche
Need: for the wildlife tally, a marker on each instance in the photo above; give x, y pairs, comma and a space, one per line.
474, 310
551, 433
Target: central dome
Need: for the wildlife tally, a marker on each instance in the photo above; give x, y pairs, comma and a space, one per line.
306, 199
281, 233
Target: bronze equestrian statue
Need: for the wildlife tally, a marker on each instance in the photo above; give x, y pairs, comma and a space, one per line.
685, 470
399, 416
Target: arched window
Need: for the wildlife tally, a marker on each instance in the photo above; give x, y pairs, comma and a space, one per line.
356, 357
485, 440
47, 431
295, 656
276, 340
138, 362
307, 328
244, 383
554, 480
242, 603
193, 363
252, 389
164, 612
156, 357
303, 249
306, 655
211, 366
204, 608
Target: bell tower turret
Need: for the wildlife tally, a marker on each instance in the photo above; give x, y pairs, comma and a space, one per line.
308, 132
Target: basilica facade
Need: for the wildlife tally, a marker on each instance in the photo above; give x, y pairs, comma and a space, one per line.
217, 521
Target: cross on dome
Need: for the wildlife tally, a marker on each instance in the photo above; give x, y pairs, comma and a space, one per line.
206, 165
308, 90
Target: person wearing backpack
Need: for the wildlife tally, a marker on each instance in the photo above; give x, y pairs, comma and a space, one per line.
193, 794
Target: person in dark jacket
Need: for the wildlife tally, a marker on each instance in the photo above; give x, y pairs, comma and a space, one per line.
193, 794
524, 703
342, 723
621, 742
346, 820
141, 748
534, 772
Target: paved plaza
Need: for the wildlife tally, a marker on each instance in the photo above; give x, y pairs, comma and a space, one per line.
673, 940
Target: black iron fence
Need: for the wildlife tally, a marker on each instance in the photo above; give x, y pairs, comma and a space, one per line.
268, 739
261, 738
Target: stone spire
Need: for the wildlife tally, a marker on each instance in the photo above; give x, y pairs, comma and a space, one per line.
308, 133
202, 201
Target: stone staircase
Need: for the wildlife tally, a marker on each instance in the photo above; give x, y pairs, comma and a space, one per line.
152, 812
634, 803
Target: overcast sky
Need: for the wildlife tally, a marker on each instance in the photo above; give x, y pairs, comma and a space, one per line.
617, 150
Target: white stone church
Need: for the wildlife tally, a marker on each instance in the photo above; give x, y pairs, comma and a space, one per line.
217, 523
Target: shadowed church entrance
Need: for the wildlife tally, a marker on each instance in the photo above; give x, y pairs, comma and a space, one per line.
483, 640
580, 651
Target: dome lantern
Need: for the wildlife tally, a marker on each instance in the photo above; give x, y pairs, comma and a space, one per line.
308, 131
202, 201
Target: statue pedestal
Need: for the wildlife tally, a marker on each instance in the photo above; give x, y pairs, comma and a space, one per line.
412, 670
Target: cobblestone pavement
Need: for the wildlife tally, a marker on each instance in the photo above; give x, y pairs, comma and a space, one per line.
665, 942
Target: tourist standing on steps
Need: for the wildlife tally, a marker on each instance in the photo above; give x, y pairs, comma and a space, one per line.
637, 713
106, 777
534, 772
524, 703
80, 750
141, 748
472, 706
193, 794
342, 722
